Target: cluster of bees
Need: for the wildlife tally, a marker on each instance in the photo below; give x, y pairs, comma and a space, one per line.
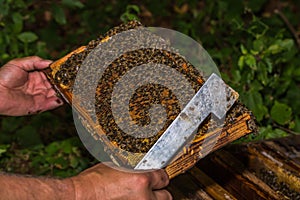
144, 96
67, 72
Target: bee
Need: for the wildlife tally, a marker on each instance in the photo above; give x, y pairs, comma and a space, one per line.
143, 97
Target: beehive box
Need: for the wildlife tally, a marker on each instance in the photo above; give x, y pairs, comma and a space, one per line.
260, 170
239, 121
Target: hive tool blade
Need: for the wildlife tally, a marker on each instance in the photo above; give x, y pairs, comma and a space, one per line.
214, 97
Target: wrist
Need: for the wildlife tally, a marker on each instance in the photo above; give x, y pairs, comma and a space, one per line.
81, 188
20, 187
65, 189
50, 188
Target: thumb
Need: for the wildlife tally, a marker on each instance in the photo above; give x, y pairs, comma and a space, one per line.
30, 63
42, 64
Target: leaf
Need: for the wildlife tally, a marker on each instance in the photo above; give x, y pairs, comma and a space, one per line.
41, 49
280, 45
130, 13
3, 148
27, 37
276, 133
4, 8
17, 22
60, 162
241, 62
133, 7
59, 14
262, 73
258, 44
73, 3
28, 136
66, 146
251, 61
243, 49
74, 161
10, 124
52, 148
264, 132
20, 4
235, 10
253, 52
274, 49
287, 44
254, 101
269, 64
297, 125
281, 113
293, 95
256, 85
236, 75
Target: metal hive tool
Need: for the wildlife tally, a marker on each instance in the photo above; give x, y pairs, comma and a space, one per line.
238, 121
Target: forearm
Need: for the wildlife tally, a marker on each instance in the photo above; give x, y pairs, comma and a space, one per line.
20, 187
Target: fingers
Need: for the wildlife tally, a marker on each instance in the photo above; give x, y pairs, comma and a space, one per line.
158, 179
42, 64
118, 183
43, 105
162, 194
52, 103
155, 179
30, 63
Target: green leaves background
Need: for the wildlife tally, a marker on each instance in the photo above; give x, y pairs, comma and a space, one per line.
253, 45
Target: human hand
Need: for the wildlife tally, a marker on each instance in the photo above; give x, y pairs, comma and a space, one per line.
103, 181
24, 89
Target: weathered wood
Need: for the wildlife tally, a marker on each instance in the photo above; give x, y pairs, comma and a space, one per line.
237, 128
187, 188
243, 177
210, 186
259, 159
238, 122
261, 170
275, 162
190, 156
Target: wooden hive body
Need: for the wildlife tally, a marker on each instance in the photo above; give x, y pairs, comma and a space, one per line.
260, 170
239, 120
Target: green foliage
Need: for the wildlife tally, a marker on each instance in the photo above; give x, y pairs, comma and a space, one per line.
131, 13
281, 113
266, 67
253, 47
60, 158
59, 14
258, 57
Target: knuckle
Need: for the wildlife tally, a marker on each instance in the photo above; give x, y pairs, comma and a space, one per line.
162, 177
142, 180
164, 195
33, 57
145, 198
169, 195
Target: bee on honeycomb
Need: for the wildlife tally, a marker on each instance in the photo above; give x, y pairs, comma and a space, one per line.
64, 71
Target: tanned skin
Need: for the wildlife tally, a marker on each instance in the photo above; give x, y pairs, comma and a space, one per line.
25, 90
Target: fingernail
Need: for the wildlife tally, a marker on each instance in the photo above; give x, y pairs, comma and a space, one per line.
58, 101
47, 61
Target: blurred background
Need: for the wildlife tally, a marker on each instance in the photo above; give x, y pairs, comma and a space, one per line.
254, 43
